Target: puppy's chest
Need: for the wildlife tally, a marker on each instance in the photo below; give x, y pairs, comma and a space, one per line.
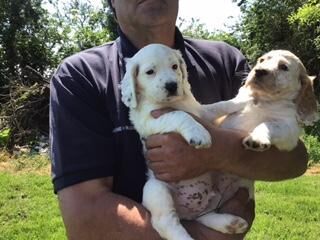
142, 122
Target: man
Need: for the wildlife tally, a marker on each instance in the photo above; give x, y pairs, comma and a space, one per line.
98, 167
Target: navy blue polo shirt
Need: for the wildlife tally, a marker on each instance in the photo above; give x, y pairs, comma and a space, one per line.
90, 133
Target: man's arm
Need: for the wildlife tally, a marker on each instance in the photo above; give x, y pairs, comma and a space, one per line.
226, 155
270, 165
91, 211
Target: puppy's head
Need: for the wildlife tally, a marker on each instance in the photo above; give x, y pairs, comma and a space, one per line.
156, 73
280, 75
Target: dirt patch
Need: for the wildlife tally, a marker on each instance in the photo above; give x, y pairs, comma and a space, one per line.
313, 170
5, 166
36, 164
12, 168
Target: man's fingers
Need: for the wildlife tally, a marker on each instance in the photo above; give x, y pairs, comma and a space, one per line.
157, 166
158, 140
154, 141
154, 154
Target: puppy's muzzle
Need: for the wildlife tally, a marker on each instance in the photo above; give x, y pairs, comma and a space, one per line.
261, 72
171, 88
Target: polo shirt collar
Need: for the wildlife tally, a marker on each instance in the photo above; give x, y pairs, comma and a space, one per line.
127, 49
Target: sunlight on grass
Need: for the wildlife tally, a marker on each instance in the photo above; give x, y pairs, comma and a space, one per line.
288, 210
34, 163
28, 208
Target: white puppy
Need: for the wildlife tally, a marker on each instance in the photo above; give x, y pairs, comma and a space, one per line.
156, 77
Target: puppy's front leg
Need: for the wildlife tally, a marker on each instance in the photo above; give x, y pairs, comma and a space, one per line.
158, 200
181, 122
216, 110
283, 135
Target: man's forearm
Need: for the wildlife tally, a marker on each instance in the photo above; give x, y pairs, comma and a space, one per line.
104, 217
91, 212
270, 165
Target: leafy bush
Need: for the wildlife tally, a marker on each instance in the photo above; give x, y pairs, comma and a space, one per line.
4, 136
313, 145
25, 112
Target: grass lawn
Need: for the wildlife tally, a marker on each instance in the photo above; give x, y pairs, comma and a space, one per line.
28, 208
288, 210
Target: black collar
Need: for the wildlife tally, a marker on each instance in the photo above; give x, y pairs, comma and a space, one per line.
127, 49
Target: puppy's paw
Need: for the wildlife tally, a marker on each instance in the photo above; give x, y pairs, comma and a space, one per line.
237, 225
258, 144
199, 137
224, 223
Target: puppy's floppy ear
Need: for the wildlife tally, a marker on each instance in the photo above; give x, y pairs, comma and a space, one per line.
307, 107
316, 86
128, 84
183, 69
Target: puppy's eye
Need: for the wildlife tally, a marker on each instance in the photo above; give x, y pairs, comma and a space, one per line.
261, 60
175, 66
283, 67
150, 72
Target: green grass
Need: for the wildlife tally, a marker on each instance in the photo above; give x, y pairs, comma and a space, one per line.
288, 210
28, 208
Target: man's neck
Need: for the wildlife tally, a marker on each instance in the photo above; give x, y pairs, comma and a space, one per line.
141, 37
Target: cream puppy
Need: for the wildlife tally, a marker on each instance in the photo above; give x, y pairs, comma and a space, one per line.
273, 105
280, 100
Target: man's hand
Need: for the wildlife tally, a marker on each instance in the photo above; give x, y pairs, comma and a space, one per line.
172, 159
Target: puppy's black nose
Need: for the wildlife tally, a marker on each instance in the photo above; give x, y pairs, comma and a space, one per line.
261, 72
171, 87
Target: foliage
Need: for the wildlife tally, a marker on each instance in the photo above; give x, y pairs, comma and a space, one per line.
25, 111
313, 145
84, 25
4, 136
197, 30
264, 26
34, 42
26, 39
306, 20
292, 25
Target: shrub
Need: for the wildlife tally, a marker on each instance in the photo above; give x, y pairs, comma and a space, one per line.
313, 145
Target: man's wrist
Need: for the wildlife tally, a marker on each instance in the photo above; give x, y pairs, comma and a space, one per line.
225, 150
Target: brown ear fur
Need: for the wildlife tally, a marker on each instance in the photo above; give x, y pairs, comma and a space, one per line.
307, 108
316, 86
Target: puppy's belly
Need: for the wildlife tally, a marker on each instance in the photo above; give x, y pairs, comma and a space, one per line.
203, 194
